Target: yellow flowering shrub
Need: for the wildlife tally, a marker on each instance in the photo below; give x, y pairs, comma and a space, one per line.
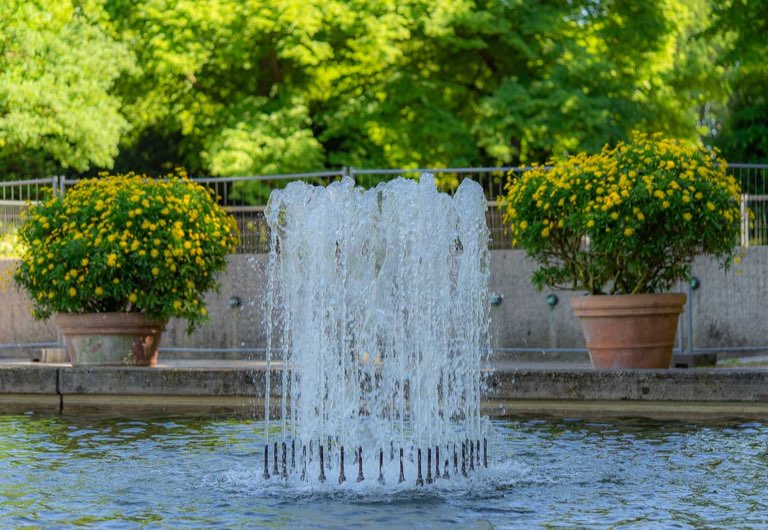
126, 243
629, 219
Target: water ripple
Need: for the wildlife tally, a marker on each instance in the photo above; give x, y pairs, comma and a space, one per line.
187, 472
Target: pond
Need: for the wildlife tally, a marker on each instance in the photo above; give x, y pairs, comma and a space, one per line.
204, 472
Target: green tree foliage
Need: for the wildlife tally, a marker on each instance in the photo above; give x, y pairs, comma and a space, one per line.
278, 86
233, 87
577, 75
743, 26
57, 67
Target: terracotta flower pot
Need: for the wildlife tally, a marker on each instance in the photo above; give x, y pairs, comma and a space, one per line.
630, 331
110, 339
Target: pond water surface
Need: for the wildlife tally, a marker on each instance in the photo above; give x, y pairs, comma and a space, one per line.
188, 472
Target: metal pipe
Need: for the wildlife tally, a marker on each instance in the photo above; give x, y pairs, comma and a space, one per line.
284, 474
455, 461
463, 459
419, 480
360, 476
321, 478
342, 476
274, 458
29, 182
266, 462
281, 176
429, 465
381, 466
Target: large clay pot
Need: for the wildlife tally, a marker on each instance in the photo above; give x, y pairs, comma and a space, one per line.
631, 330
110, 339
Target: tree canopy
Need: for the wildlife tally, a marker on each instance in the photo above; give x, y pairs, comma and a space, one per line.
234, 87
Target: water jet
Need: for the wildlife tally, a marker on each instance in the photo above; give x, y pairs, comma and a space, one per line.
377, 310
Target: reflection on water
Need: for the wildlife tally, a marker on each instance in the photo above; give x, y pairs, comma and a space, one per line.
201, 472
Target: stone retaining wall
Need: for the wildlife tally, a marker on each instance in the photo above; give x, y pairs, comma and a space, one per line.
728, 309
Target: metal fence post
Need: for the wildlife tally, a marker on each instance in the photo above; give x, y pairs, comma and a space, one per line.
55, 186
689, 310
744, 211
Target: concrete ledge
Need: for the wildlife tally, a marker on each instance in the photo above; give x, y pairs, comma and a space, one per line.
29, 379
239, 388
711, 385
212, 382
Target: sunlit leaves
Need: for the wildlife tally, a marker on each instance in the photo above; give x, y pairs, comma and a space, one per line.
57, 67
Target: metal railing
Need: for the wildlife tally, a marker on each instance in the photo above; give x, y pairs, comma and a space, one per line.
754, 185
15, 197
246, 197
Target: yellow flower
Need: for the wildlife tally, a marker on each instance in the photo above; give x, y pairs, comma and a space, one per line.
84, 262
132, 298
112, 260
72, 292
629, 231
99, 291
545, 232
155, 271
687, 216
590, 223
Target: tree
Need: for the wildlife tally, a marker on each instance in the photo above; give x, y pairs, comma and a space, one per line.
234, 87
58, 64
742, 132
576, 75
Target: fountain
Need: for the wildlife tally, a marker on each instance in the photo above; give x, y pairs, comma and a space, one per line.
378, 312
383, 335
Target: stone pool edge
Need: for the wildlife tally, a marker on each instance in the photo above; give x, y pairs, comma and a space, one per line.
577, 392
